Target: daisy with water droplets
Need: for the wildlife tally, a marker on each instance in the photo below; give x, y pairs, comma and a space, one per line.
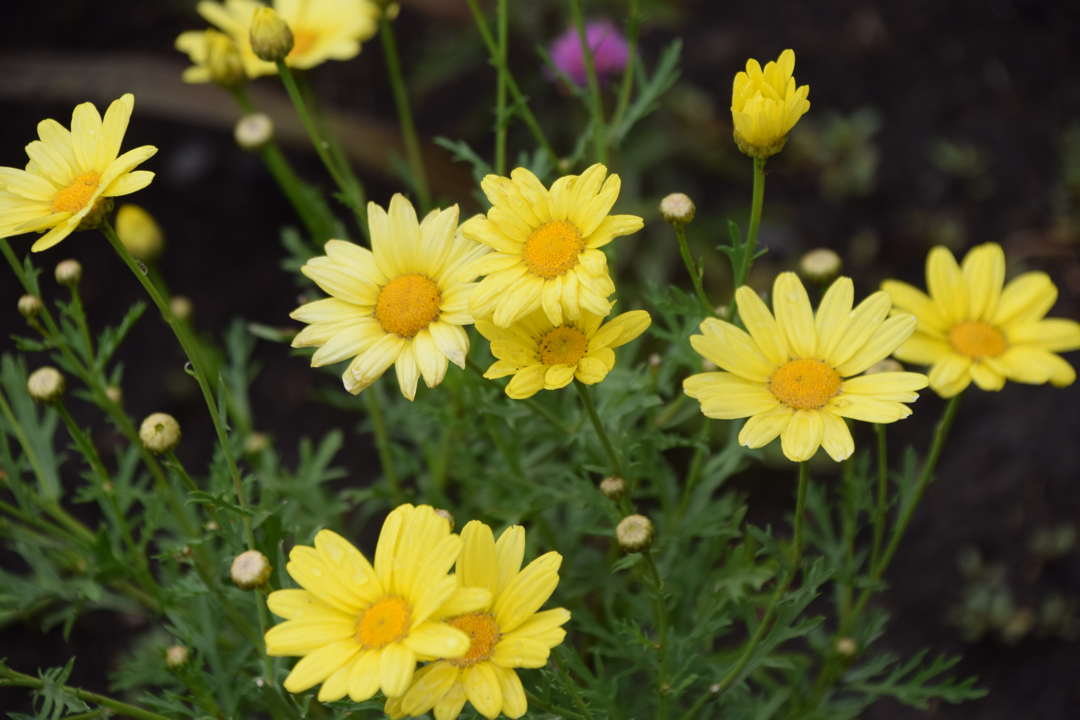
793, 374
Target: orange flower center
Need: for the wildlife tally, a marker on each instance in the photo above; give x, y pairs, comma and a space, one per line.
977, 340
75, 196
805, 384
564, 345
384, 622
553, 249
302, 42
408, 304
483, 634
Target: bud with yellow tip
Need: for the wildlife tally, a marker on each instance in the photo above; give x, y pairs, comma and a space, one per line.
223, 60
271, 38
139, 232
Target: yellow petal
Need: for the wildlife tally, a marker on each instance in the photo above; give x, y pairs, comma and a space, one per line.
794, 316
396, 667
510, 551
833, 316
465, 600
113, 128
527, 382
311, 572
294, 604
348, 566
987, 377
887, 383
520, 652
558, 376
542, 623
865, 320
85, 130
300, 637
760, 430
1026, 299
726, 397
336, 686
837, 439
984, 274
430, 687
364, 676
923, 350
1035, 366
386, 549
733, 350
514, 703
407, 371
891, 335
950, 375
591, 370
483, 687
761, 325
437, 640
478, 565
1054, 334
919, 304
946, 284
802, 437
319, 665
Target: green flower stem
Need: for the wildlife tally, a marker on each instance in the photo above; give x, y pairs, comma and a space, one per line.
691, 267
750, 247
84, 329
183, 335
382, 444
408, 128
539, 704
501, 119
590, 408
541, 411
599, 126
627, 85
521, 106
759, 635
660, 610
882, 493
569, 685
188, 483
142, 568
12, 678
320, 145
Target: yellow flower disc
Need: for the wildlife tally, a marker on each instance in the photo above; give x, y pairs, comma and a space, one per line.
483, 634
74, 197
978, 340
553, 249
805, 384
408, 304
384, 622
563, 346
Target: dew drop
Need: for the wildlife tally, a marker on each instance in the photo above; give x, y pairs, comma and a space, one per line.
335, 552
317, 572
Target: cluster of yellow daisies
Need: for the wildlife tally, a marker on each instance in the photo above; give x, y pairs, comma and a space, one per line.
541, 303
362, 627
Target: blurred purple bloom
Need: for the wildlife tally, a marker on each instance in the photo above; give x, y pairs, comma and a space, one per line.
609, 48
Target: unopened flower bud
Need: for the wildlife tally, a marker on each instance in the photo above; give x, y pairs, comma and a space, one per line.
176, 656
115, 394
271, 38
613, 487
250, 570
635, 533
45, 385
446, 515
677, 209
253, 132
846, 647
255, 443
654, 361
821, 265
886, 365
181, 307
69, 273
722, 310
223, 60
139, 232
160, 433
29, 306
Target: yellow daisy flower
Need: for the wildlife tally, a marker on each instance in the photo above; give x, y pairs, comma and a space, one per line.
505, 634
765, 105
546, 246
73, 176
402, 303
322, 29
216, 58
543, 356
358, 628
792, 374
970, 328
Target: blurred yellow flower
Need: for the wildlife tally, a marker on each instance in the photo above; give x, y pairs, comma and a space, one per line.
360, 629
139, 232
72, 176
543, 356
322, 29
546, 246
792, 374
215, 55
403, 303
505, 634
971, 328
765, 105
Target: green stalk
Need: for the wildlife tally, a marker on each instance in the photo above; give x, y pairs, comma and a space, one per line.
696, 463
882, 492
520, 103
320, 145
84, 329
500, 91
796, 557
590, 408
660, 609
408, 128
599, 126
12, 678
188, 345
382, 443
750, 247
691, 267
627, 85
570, 687
188, 483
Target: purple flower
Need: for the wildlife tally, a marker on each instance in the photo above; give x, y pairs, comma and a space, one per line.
609, 48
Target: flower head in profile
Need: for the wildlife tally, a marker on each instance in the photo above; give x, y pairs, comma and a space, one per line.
973, 327
215, 57
793, 374
609, 49
765, 105
403, 303
360, 629
544, 356
507, 633
322, 29
73, 175
546, 245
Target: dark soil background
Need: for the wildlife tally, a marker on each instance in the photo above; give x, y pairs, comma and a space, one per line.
999, 76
